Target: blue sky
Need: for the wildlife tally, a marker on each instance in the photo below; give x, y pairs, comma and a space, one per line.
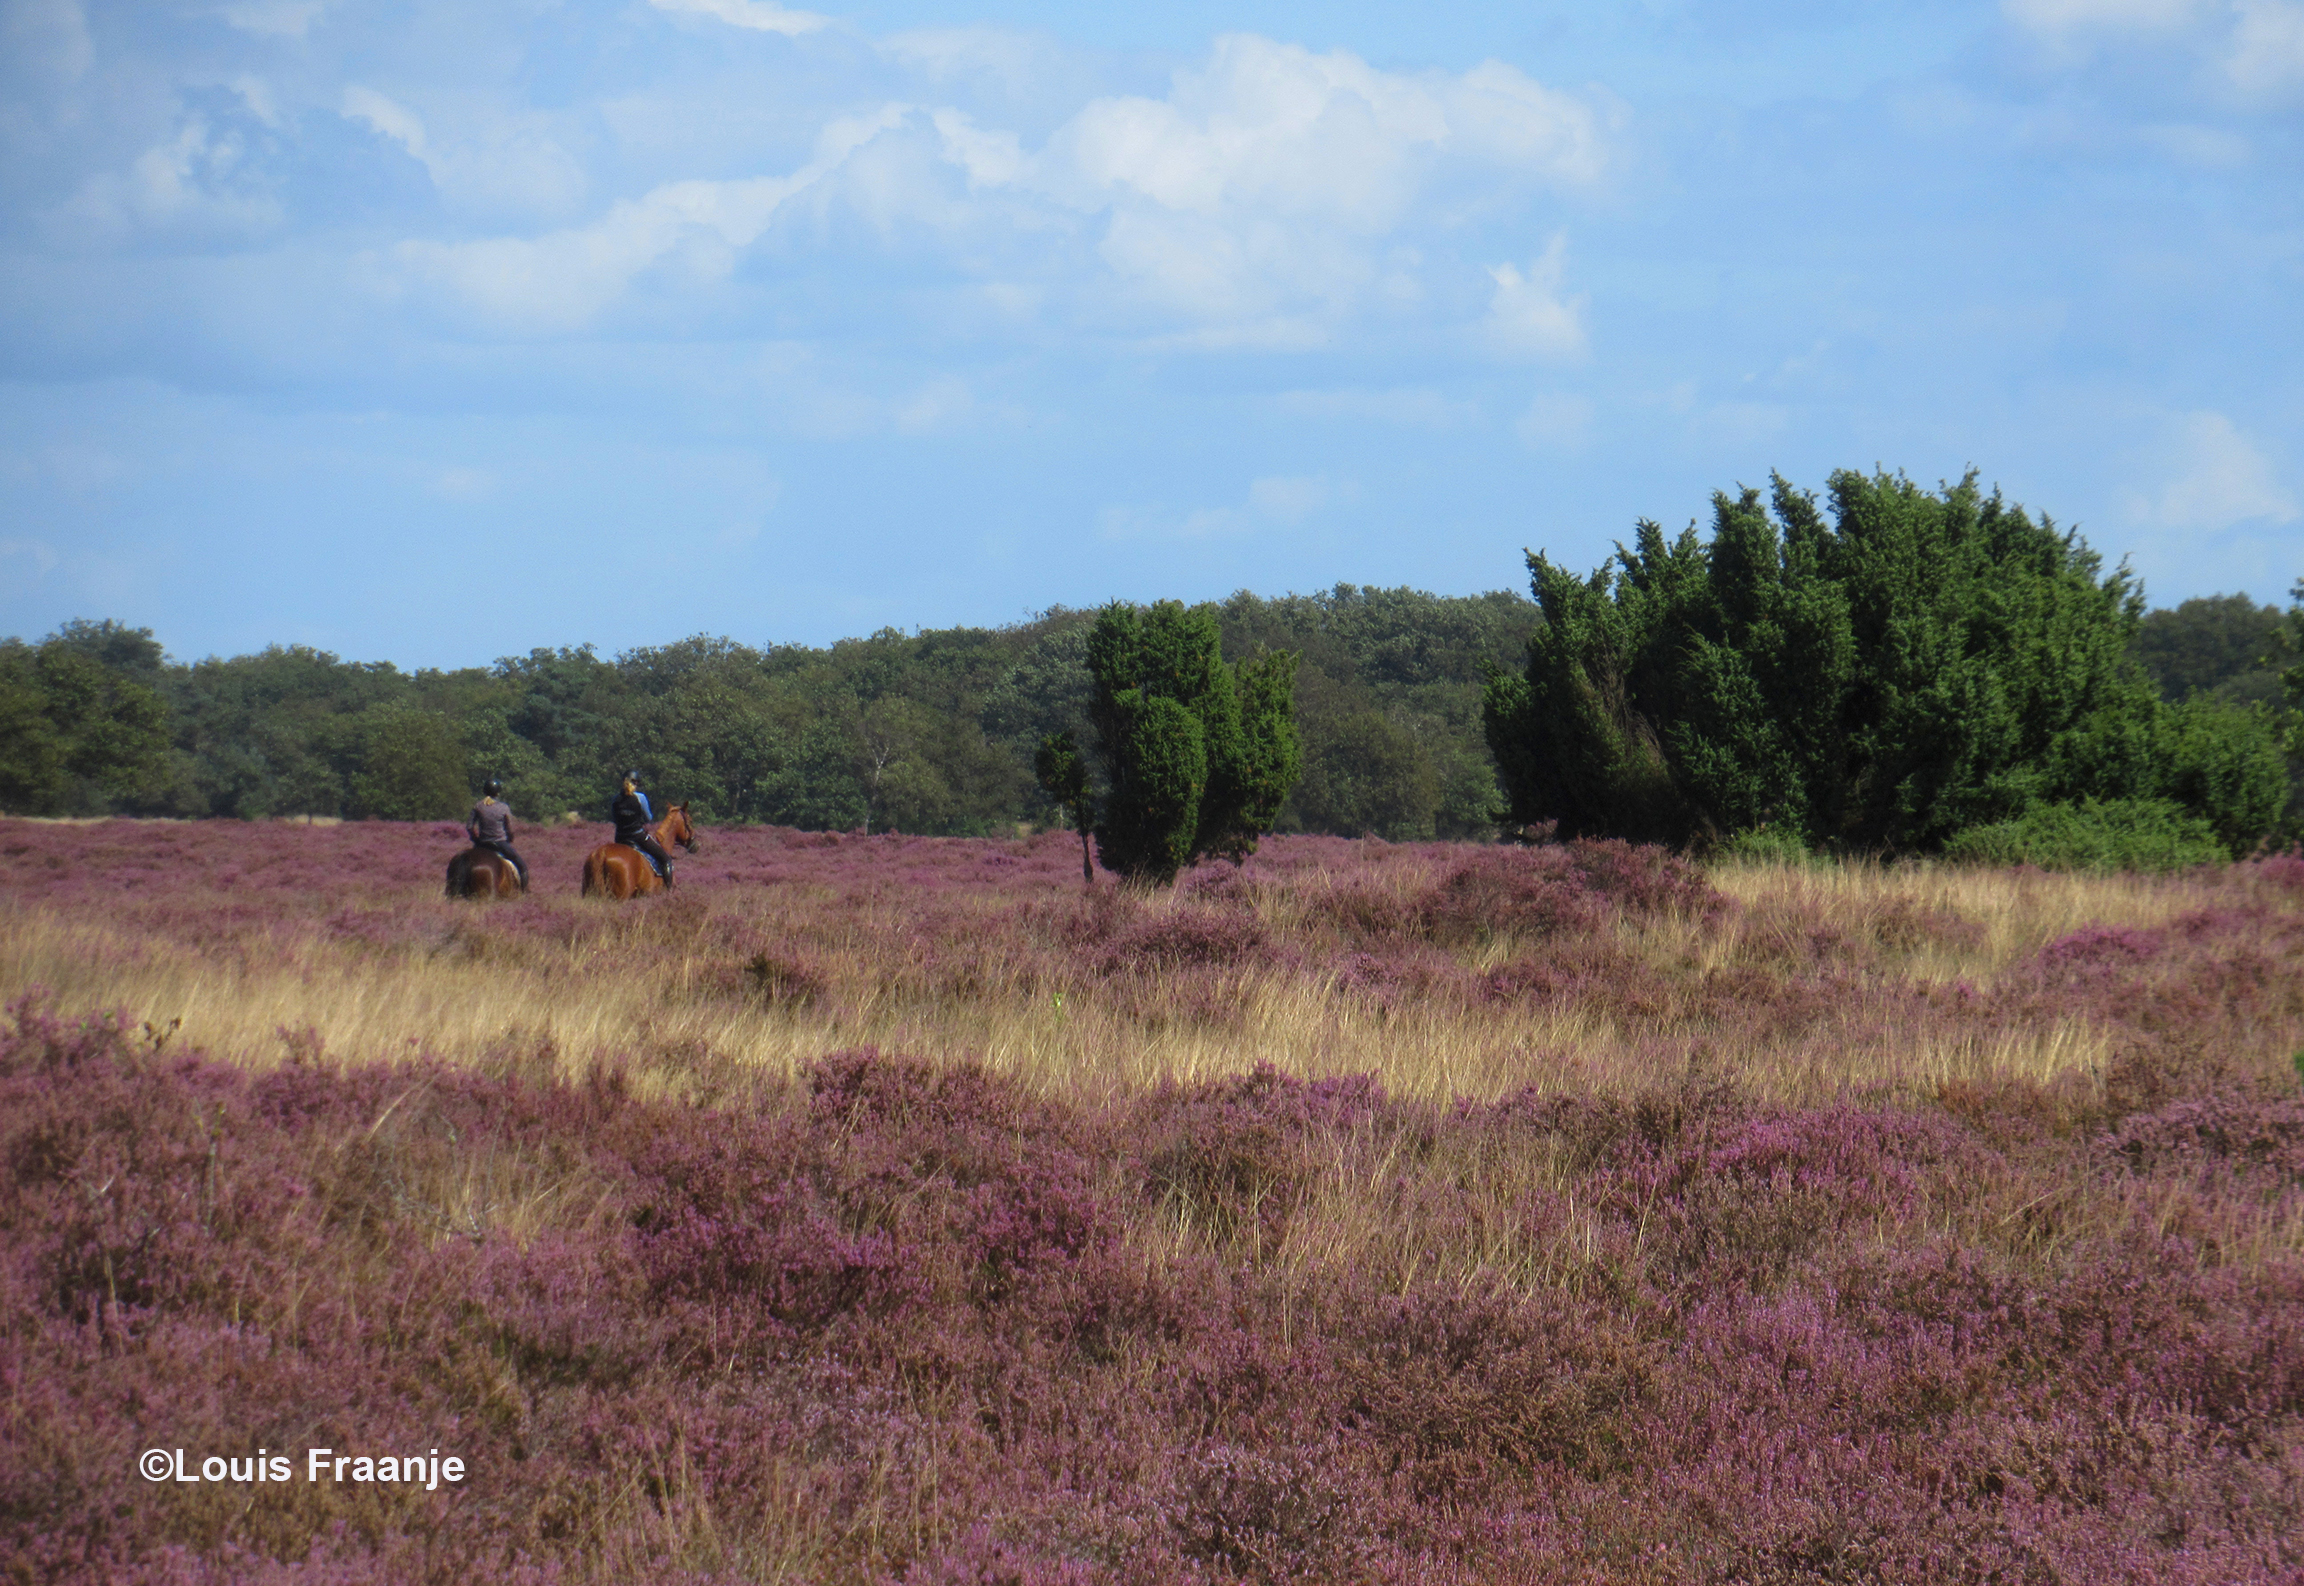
433, 332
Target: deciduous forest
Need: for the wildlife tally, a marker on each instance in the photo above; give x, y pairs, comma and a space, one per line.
930, 733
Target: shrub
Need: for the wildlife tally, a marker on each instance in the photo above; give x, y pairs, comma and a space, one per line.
2117, 834
1199, 756
1921, 663
1767, 845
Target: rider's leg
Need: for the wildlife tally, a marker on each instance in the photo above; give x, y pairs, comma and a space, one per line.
657, 857
512, 854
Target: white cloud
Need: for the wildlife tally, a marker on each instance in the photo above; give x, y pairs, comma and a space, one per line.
274, 18
1736, 425
464, 484
1250, 200
1527, 315
1274, 127
1408, 407
1016, 63
197, 180
396, 121
1557, 420
256, 94
37, 555
509, 167
50, 34
2258, 43
991, 159
564, 279
2209, 147
2068, 16
1286, 499
761, 16
2219, 478
1275, 502
2267, 46
941, 404
1261, 203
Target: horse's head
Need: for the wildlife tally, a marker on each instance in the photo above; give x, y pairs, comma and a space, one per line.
679, 829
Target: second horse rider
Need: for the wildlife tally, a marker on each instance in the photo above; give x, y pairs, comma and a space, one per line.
629, 810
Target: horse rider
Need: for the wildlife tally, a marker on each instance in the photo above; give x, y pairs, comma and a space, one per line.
630, 811
490, 827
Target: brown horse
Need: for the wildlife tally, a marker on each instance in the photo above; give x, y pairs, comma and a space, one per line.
622, 872
482, 873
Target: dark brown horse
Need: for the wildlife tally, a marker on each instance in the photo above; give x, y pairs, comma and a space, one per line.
619, 872
482, 873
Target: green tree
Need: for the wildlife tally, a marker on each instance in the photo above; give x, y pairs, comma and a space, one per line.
1368, 775
2223, 763
2292, 650
412, 769
1412, 659
1198, 756
1922, 663
81, 731
2217, 644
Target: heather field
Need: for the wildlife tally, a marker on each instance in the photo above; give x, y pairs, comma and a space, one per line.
894, 1209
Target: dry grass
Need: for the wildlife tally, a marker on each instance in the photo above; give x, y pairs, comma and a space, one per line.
952, 974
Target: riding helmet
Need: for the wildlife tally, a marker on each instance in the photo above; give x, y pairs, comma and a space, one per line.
632, 777
492, 788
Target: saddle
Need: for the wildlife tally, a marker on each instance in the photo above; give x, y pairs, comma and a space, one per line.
652, 861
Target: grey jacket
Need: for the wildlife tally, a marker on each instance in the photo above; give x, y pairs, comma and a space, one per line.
491, 822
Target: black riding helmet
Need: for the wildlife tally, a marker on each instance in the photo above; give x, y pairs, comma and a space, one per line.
491, 789
632, 777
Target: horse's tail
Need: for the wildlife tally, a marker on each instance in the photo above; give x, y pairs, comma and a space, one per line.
460, 875
595, 874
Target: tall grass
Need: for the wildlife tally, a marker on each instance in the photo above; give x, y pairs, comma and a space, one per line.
1322, 957
888, 1210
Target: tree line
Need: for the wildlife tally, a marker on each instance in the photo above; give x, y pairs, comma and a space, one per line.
1881, 669
932, 732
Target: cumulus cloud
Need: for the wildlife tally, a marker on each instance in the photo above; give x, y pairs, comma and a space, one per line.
464, 484
199, 180
1555, 420
1408, 407
509, 166
2267, 51
564, 279
31, 558
1528, 316
761, 16
991, 159
2258, 43
1253, 191
48, 36
2219, 478
2066, 16
396, 121
1259, 203
942, 404
1276, 502
276, 18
